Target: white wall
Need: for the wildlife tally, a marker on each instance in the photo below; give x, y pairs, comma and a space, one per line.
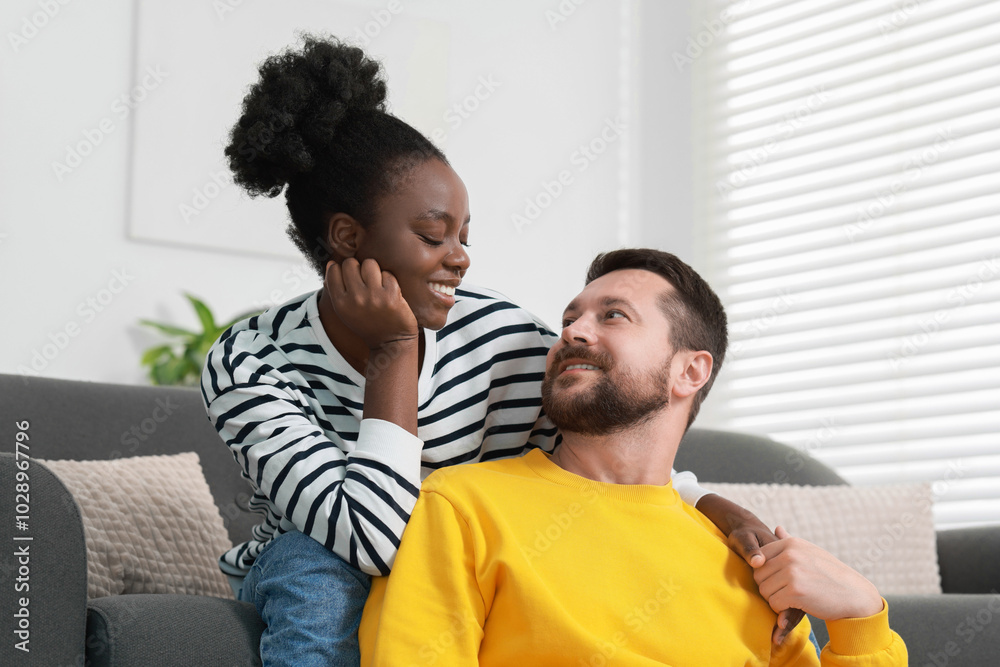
664, 211
64, 241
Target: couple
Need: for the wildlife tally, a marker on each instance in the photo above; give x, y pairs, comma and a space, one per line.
337, 403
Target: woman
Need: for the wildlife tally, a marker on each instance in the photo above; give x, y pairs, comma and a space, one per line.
336, 402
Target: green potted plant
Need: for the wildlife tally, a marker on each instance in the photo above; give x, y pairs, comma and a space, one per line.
180, 361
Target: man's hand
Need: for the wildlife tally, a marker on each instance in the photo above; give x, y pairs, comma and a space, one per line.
800, 575
746, 534
369, 302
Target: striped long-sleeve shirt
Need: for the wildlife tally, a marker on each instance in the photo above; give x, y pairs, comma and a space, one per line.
290, 408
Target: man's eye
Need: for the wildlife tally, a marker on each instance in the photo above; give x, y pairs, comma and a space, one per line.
612, 313
566, 323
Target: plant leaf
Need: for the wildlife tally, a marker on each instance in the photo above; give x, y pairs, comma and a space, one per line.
204, 345
196, 355
181, 362
204, 314
168, 329
191, 373
157, 374
154, 353
175, 370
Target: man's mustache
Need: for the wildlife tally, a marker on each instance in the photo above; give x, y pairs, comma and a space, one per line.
602, 360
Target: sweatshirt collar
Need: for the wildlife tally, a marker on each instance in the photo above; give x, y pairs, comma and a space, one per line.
541, 464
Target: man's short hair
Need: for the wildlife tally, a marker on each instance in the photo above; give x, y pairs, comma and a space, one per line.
697, 318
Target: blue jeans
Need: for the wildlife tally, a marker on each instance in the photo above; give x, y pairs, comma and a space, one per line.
310, 600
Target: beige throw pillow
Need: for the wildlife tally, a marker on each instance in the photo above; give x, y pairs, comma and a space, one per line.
884, 532
150, 525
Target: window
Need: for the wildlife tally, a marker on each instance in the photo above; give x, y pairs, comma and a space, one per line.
848, 166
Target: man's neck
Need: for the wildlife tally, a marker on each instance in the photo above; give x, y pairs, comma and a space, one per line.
643, 454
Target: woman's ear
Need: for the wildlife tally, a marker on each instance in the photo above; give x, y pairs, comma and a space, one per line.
344, 235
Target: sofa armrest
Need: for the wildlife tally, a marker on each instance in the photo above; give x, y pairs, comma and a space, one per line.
43, 564
942, 629
165, 630
968, 559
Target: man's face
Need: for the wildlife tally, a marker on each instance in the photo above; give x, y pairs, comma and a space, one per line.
610, 368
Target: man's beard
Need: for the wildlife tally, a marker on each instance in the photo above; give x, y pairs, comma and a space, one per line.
616, 401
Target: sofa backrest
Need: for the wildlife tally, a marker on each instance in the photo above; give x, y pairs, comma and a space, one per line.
78, 420
741, 458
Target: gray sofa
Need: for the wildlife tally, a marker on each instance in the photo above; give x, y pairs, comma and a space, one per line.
82, 420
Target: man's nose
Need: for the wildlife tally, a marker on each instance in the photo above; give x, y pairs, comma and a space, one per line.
579, 331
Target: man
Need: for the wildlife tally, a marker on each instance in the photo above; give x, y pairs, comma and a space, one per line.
587, 556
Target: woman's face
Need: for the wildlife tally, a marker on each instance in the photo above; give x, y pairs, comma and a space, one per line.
419, 235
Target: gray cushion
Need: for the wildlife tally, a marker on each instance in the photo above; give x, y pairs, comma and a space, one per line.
161, 630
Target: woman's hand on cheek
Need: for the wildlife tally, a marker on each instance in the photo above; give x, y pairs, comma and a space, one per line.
369, 302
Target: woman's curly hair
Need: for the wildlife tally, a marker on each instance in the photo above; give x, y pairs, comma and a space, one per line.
316, 121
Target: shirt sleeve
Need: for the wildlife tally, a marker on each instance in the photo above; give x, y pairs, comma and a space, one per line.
430, 609
854, 642
686, 484
355, 503
544, 434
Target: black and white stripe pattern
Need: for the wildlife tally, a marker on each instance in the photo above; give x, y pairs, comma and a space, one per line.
289, 407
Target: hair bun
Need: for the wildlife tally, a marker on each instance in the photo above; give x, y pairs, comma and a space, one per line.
296, 108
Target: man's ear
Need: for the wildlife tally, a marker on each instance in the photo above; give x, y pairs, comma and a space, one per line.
695, 370
344, 235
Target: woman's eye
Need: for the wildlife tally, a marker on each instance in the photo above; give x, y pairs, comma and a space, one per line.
429, 241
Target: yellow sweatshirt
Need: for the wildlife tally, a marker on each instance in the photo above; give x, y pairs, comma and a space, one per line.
518, 562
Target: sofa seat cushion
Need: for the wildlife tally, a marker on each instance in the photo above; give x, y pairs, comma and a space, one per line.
169, 630
150, 523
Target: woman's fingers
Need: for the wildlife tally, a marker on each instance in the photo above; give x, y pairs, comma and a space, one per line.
334, 280
391, 286
353, 282
369, 302
371, 274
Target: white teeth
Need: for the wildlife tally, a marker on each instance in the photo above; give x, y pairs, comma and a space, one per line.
443, 289
586, 367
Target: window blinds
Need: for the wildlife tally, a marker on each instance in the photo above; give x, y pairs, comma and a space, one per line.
848, 170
